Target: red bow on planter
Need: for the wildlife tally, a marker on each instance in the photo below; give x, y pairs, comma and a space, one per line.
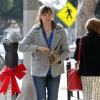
7, 74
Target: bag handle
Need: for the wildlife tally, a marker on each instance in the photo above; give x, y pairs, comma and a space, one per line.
79, 52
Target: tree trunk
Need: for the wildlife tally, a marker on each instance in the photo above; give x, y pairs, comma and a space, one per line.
85, 11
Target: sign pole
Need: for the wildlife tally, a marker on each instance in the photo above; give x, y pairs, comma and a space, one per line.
69, 93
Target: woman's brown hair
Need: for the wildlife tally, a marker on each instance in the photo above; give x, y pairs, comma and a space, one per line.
93, 25
42, 10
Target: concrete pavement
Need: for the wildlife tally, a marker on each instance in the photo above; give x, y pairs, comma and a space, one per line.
62, 91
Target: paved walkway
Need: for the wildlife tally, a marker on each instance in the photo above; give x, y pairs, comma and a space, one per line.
62, 91
63, 88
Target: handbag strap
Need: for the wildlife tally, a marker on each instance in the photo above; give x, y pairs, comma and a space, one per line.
79, 52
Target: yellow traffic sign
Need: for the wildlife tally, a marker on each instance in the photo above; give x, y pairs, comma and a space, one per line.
67, 14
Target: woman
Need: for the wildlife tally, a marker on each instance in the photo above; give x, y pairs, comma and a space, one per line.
45, 37
89, 68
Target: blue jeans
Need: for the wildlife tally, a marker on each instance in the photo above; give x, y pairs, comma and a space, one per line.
49, 83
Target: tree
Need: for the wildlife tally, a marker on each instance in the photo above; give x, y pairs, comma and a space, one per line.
17, 11
74, 2
10, 9
5, 7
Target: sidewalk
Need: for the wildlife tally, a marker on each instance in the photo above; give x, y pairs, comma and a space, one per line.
62, 91
63, 88
6, 96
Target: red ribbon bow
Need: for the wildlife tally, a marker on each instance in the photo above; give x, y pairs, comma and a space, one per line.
8, 74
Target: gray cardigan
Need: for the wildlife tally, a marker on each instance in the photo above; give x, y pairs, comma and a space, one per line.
40, 62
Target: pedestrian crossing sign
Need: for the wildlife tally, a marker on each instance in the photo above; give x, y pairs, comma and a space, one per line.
67, 14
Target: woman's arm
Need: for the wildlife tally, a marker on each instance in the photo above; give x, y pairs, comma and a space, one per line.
26, 44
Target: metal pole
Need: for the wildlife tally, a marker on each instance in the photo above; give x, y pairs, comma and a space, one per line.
69, 93
6, 96
30, 8
29, 16
13, 97
78, 95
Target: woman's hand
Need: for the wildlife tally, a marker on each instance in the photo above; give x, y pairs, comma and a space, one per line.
43, 50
